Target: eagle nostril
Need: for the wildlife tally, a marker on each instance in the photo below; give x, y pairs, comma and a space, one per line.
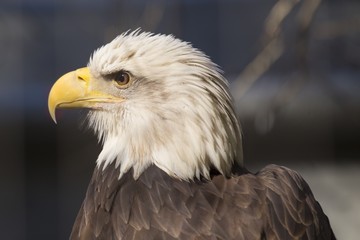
83, 74
81, 78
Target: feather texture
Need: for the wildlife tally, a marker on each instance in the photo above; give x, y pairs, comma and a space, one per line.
275, 203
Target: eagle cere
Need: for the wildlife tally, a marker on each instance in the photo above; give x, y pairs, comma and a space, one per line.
171, 166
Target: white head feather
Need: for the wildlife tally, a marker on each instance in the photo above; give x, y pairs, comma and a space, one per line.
177, 114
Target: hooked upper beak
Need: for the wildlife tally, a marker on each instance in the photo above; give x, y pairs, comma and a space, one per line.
72, 91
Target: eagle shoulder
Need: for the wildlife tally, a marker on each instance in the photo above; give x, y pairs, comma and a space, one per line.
292, 211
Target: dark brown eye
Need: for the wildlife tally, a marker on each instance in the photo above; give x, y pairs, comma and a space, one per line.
122, 78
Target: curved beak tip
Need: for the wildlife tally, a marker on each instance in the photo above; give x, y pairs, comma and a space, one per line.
52, 110
53, 116
52, 105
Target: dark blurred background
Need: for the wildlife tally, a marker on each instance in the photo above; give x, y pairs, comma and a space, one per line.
294, 69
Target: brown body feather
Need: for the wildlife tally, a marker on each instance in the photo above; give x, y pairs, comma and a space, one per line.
275, 203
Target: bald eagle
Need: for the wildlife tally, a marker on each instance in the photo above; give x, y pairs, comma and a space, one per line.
171, 166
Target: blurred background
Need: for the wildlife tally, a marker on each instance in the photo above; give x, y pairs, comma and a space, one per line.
293, 66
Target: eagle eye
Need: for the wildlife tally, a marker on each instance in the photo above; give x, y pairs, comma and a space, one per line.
122, 78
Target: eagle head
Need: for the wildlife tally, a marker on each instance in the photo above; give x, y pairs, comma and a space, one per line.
155, 99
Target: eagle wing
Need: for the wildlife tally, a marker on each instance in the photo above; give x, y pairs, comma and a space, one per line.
276, 203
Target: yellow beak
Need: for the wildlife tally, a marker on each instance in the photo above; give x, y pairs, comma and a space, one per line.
72, 91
